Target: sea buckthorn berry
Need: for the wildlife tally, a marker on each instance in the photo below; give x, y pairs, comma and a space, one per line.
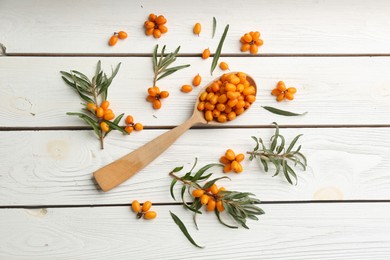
214, 100
221, 107
122, 35
281, 86
201, 106
99, 112
221, 189
232, 102
150, 98
245, 47
214, 189
129, 129
249, 91
222, 99
104, 126
206, 53
156, 104
209, 106
209, 96
160, 20
240, 104
247, 38
203, 96
292, 90
289, 96
255, 36
109, 116
259, 42
276, 92
239, 168
197, 193
138, 127
250, 42
129, 120
220, 206
152, 17
136, 206
149, 25
224, 160
250, 98
228, 109
149, 31
204, 199
164, 94
91, 107
208, 115
240, 157
239, 111
163, 29
223, 66
230, 87
216, 113
211, 205
156, 33
197, 28
227, 168
280, 97
231, 116
196, 81
230, 155
146, 206
150, 215
234, 165
186, 88
215, 87
152, 91
254, 49
222, 118
113, 40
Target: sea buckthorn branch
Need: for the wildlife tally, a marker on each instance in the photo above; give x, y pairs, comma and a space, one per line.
279, 156
94, 92
238, 205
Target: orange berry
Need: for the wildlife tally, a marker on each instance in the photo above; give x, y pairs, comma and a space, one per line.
149, 25
164, 94
222, 118
146, 206
113, 40
109, 116
215, 87
197, 28
150, 215
206, 53
196, 81
231, 116
247, 38
156, 33
224, 160
129, 120
163, 29
204, 199
208, 115
152, 92
292, 90
234, 165
249, 91
149, 31
209, 106
99, 112
214, 189
254, 49
197, 193
230, 155
160, 20
104, 126
152, 17
276, 92
221, 107
211, 205
150, 98
289, 96
238, 168
105, 104
255, 36
220, 206
129, 129
250, 98
280, 97
138, 127
245, 47
221, 189
240, 157
259, 42
91, 107
222, 99
136, 206
203, 96
281, 86
186, 88
227, 168
122, 35
201, 106
156, 104
223, 66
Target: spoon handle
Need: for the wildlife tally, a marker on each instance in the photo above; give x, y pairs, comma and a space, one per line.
122, 169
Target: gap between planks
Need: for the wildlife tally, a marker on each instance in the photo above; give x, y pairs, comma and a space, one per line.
179, 203
87, 128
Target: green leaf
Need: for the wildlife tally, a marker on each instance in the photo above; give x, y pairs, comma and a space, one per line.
114, 126
183, 229
265, 165
282, 112
291, 171
155, 57
222, 222
291, 146
88, 120
172, 70
209, 183
82, 76
285, 171
171, 188
279, 149
202, 170
214, 26
177, 169
219, 49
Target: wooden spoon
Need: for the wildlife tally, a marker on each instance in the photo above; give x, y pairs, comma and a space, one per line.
122, 169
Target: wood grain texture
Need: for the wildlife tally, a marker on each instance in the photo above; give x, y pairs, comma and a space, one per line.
303, 231
57, 166
335, 91
307, 26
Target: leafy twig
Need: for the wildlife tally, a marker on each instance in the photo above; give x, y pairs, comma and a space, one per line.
279, 156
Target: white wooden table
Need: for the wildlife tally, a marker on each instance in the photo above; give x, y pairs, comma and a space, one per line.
336, 53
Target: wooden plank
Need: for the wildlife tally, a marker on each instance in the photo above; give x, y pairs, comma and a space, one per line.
55, 167
33, 94
287, 27
300, 231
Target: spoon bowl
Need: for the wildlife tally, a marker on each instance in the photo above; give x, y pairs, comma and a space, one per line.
122, 169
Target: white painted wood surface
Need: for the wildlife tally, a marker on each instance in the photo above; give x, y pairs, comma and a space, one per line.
289, 27
53, 168
301, 231
344, 164
357, 89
